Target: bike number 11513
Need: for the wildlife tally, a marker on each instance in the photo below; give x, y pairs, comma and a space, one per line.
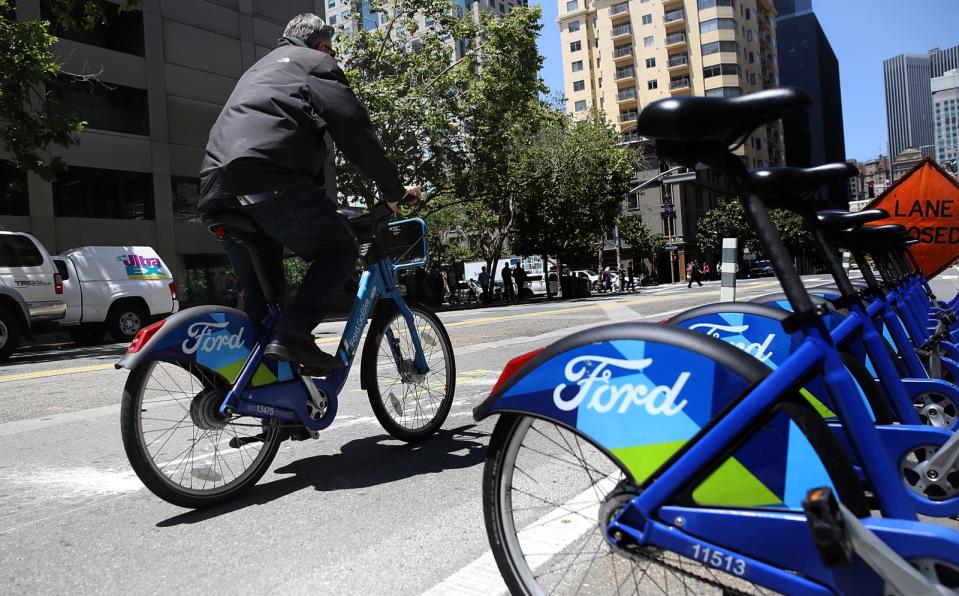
719, 560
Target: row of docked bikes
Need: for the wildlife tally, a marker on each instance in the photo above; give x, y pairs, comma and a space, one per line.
788, 444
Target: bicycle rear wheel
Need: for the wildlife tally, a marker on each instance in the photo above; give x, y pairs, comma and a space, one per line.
411, 406
546, 494
179, 445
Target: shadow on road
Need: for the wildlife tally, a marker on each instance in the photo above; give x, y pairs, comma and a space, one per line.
68, 352
361, 463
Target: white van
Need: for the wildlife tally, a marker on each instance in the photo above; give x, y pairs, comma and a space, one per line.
118, 289
31, 294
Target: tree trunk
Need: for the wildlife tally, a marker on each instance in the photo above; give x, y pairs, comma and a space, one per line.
549, 295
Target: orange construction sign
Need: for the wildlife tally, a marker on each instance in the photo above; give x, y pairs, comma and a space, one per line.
926, 201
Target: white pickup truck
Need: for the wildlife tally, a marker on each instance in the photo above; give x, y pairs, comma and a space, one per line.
117, 289
31, 293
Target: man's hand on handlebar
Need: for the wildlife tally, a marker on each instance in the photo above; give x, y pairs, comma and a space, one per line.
413, 194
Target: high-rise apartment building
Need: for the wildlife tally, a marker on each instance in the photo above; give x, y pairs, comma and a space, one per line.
619, 55
945, 105
807, 61
165, 71
908, 102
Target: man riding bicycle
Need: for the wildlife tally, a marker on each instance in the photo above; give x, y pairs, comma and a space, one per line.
265, 156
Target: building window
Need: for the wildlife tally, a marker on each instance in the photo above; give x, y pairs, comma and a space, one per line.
704, 4
13, 190
647, 19
575, 46
720, 46
105, 106
572, 5
650, 62
104, 194
331, 20
580, 105
749, 35
186, 194
720, 69
122, 31
652, 84
579, 85
724, 92
752, 78
749, 14
648, 42
573, 26
577, 66
716, 25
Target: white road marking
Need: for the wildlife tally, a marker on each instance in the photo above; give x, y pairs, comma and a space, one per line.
549, 534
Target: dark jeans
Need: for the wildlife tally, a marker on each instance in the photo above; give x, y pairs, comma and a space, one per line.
307, 223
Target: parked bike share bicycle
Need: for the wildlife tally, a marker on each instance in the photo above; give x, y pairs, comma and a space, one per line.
203, 412
642, 457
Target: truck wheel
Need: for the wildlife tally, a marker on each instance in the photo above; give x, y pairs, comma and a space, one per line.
87, 335
9, 333
125, 320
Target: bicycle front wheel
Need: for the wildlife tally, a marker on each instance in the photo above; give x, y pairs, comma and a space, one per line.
179, 445
547, 496
410, 405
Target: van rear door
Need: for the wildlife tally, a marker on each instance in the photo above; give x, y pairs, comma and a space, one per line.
72, 292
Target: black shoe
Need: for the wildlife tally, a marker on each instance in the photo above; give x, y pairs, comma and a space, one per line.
293, 348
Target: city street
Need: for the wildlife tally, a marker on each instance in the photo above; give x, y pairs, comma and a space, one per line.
354, 512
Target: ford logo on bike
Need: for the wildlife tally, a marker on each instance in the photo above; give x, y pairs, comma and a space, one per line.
594, 375
752, 348
201, 338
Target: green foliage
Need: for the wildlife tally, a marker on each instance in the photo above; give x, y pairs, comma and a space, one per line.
578, 177
645, 244
31, 118
728, 220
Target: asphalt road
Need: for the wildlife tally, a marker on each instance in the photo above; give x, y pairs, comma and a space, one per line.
354, 512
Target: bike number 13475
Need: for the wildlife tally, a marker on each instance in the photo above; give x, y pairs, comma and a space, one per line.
719, 560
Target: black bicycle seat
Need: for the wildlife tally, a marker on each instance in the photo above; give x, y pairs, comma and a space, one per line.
790, 188
729, 120
229, 222
873, 238
834, 220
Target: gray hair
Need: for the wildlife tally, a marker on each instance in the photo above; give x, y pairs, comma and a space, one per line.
308, 28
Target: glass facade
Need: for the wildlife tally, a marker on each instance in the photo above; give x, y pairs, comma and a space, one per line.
106, 194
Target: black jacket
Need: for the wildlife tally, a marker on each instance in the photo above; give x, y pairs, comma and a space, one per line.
269, 135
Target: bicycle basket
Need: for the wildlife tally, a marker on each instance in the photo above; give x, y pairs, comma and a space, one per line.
408, 247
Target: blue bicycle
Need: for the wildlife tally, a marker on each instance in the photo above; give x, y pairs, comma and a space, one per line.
645, 458
203, 413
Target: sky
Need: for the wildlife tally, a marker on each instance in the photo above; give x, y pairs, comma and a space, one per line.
862, 33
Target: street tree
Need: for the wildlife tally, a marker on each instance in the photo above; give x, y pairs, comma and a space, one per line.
579, 177
728, 220
644, 243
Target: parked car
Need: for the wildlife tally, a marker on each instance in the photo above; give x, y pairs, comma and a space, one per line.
117, 289
595, 280
31, 292
761, 269
535, 286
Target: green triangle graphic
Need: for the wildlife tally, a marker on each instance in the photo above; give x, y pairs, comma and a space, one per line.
732, 485
818, 405
643, 460
263, 375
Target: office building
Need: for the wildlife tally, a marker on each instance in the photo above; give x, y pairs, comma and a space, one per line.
618, 56
807, 61
945, 105
942, 61
165, 70
872, 180
908, 102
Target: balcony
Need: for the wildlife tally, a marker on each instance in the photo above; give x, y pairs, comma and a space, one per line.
621, 30
675, 18
677, 63
623, 53
679, 86
628, 116
622, 74
629, 137
626, 95
671, 4
618, 10
675, 40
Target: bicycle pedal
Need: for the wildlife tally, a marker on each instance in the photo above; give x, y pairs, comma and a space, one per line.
827, 526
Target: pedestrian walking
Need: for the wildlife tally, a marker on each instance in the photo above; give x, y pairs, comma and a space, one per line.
630, 281
622, 278
706, 271
693, 274
507, 276
607, 280
485, 290
452, 282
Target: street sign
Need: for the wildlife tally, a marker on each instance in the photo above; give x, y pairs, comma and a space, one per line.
926, 202
671, 247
